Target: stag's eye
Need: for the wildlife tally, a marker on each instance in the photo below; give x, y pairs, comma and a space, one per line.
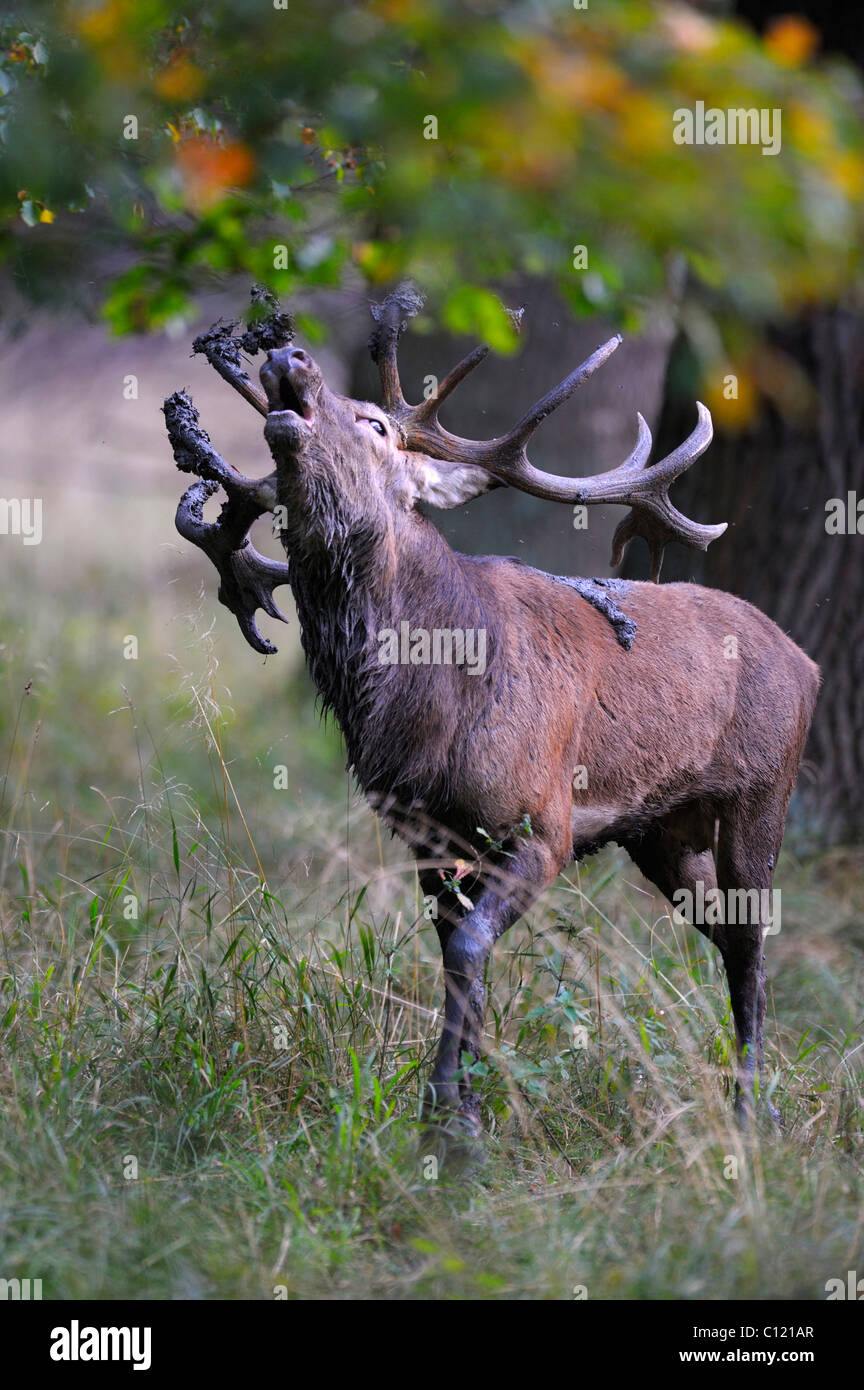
377, 425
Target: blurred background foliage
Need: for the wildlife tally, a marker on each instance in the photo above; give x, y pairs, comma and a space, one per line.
306, 127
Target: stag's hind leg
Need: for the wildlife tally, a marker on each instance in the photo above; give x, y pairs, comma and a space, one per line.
677, 855
751, 832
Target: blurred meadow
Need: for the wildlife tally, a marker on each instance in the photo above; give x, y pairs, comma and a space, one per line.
219, 998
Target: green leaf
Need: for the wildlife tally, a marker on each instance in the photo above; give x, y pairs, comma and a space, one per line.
476, 312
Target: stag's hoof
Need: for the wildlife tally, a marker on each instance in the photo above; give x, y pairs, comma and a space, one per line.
745, 1108
469, 1115
456, 1141
456, 1124
451, 1123
443, 1098
461, 1119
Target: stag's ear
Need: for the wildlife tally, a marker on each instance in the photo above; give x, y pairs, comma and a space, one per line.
444, 484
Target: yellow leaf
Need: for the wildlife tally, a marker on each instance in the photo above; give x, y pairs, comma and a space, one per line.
810, 128
731, 398
846, 170
180, 81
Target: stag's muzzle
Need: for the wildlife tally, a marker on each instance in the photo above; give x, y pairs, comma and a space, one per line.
291, 381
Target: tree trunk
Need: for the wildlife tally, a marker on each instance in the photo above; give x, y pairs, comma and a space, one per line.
772, 484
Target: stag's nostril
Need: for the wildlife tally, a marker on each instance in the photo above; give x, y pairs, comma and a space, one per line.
288, 357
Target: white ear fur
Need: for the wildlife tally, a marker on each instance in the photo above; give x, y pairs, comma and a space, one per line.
445, 484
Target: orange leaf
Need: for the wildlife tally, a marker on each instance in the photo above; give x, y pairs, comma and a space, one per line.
791, 39
209, 169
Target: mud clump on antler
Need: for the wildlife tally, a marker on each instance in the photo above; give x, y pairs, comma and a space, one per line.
270, 328
193, 452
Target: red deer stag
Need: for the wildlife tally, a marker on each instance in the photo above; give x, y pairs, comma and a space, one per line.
687, 759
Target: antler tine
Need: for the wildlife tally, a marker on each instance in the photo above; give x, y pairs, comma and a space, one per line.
429, 408
562, 392
391, 319
247, 578
633, 478
419, 423
653, 516
222, 351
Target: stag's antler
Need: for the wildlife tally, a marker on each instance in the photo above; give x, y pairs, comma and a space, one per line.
644, 488
247, 577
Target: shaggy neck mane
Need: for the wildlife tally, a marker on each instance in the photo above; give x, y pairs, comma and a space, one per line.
331, 577
345, 597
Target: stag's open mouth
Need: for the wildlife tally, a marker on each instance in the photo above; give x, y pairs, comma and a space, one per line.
289, 399
290, 385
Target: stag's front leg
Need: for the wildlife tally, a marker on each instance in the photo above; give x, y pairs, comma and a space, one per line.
466, 946
508, 888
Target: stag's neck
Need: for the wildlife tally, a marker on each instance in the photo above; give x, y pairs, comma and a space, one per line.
351, 589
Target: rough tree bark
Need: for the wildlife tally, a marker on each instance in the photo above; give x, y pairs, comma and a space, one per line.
772, 484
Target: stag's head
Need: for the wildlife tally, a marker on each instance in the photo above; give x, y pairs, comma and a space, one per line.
347, 467
334, 452
322, 441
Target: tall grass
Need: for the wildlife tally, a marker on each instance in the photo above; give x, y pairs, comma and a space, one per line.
219, 1000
